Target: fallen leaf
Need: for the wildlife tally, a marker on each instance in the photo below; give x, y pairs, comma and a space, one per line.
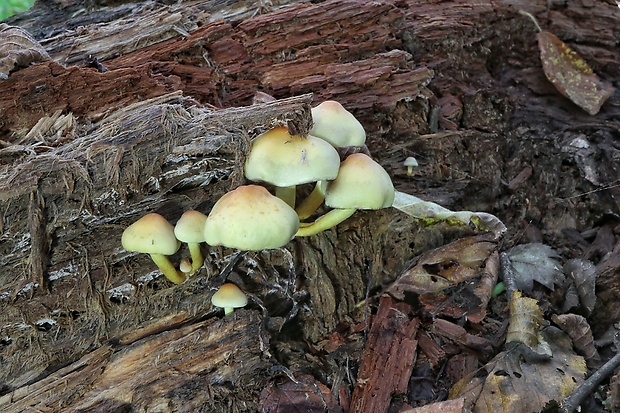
583, 273
571, 75
524, 326
534, 262
445, 267
448, 406
306, 395
579, 331
515, 385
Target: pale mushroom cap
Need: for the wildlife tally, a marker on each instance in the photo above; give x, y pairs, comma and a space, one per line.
361, 184
151, 234
190, 227
336, 125
249, 218
229, 295
410, 161
282, 159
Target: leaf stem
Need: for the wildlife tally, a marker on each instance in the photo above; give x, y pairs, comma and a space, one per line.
524, 13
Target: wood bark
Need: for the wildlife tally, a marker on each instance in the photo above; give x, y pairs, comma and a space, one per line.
147, 107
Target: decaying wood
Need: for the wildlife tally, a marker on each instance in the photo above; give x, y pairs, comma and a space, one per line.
142, 83
388, 359
180, 364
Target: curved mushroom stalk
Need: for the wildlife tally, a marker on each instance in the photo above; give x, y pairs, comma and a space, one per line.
197, 257
325, 222
167, 268
312, 202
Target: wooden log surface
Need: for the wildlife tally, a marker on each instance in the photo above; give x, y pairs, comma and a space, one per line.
149, 134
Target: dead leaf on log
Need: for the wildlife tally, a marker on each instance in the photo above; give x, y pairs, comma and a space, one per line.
305, 395
570, 74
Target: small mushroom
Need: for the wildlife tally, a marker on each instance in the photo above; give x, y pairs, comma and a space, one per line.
410, 163
249, 218
185, 266
336, 125
154, 235
190, 229
361, 184
286, 160
229, 297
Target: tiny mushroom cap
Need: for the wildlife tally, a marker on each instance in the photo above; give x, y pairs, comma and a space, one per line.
336, 125
250, 218
286, 160
190, 229
410, 163
229, 297
153, 234
361, 184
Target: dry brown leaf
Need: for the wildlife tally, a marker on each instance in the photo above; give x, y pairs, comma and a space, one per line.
571, 75
514, 385
448, 406
444, 267
579, 330
306, 395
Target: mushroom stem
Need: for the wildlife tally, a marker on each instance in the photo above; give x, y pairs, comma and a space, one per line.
410, 170
312, 203
196, 254
228, 310
167, 268
325, 222
287, 194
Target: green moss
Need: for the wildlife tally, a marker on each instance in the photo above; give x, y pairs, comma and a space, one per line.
11, 7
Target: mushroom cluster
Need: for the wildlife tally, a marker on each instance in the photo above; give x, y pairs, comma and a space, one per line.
250, 218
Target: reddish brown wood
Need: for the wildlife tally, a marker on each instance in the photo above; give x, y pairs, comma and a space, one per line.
388, 358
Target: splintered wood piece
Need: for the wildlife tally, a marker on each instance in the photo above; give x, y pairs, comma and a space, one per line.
170, 358
571, 75
388, 359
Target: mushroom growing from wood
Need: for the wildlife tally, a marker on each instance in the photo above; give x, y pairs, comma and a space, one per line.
154, 235
229, 297
249, 218
336, 125
361, 184
410, 163
286, 160
190, 229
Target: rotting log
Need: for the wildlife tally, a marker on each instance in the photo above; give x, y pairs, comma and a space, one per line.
178, 364
483, 58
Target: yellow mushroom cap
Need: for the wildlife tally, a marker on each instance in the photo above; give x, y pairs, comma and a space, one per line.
336, 125
361, 184
151, 234
229, 296
190, 227
250, 218
282, 159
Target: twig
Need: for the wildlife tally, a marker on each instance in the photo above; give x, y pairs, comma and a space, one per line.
571, 404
